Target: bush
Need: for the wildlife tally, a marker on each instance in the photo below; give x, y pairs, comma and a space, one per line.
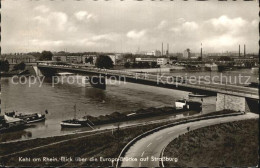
104, 61
20, 66
4, 66
127, 65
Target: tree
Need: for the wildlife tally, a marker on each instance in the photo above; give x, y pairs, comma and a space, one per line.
4, 66
104, 61
153, 64
20, 66
134, 65
89, 60
127, 65
146, 65
46, 55
140, 65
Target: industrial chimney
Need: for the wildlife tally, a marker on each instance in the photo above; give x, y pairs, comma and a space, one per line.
167, 52
162, 49
244, 50
201, 51
239, 51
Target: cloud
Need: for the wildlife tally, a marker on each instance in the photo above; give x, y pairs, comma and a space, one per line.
133, 34
44, 43
185, 27
127, 26
84, 16
189, 26
162, 24
53, 20
224, 24
42, 9
255, 23
181, 20
221, 41
109, 36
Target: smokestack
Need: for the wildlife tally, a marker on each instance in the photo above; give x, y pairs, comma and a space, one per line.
244, 50
239, 51
201, 51
162, 49
167, 49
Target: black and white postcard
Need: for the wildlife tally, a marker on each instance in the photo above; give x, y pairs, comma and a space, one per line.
129, 83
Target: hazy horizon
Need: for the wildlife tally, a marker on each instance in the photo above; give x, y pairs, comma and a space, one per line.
115, 26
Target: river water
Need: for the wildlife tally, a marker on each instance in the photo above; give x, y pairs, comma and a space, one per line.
60, 99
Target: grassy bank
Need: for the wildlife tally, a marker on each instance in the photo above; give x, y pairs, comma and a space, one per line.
229, 144
105, 145
85, 145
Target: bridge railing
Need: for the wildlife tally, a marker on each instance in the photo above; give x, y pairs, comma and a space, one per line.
153, 77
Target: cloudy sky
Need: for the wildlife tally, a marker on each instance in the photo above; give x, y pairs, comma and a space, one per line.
116, 26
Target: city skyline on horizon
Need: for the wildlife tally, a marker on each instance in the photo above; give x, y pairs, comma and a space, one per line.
54, 26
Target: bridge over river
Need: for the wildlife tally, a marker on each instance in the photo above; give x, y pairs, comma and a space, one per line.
233, 97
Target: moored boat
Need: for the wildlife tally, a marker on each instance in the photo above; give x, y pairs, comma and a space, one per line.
183, 104
72, 123
75, 123
10, 123
28, 118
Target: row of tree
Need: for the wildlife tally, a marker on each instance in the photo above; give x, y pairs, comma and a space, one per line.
5, 66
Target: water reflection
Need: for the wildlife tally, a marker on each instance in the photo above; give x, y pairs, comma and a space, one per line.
60, 99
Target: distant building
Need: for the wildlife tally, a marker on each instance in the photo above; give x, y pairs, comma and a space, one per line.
162, 61
59, 58
146, 60
75, 59
68, 58
246, 62
16, 59
186, 54
155, 53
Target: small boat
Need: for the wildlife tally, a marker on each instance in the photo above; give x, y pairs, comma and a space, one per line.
183, 104
197, 95
10, 123
76, 123
28, 118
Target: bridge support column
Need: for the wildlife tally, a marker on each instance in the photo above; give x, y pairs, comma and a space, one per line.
37, 71
231, 102
98, 81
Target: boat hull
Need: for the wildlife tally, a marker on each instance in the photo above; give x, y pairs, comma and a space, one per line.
194, 95
36, 120
70, 125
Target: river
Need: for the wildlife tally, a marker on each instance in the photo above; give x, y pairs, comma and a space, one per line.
60, 99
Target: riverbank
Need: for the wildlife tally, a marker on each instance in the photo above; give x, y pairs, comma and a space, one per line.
106, 144
229, 144
108, 121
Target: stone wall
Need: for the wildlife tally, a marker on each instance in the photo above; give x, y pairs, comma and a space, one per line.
231, 102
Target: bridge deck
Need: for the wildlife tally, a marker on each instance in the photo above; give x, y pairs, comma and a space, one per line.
161, 81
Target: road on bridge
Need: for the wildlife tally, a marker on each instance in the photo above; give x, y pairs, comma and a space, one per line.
152, 145
157, 79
